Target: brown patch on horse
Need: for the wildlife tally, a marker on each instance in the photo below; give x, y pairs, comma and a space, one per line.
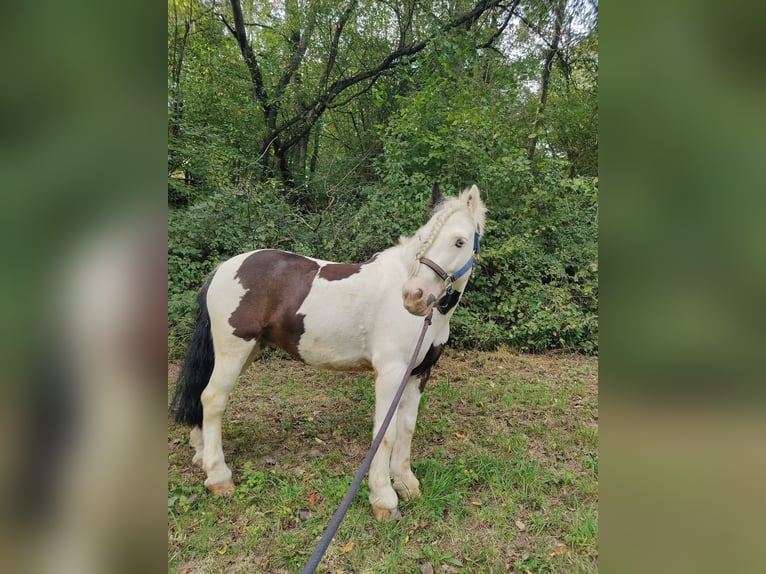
424, 369
339, 271
276, 284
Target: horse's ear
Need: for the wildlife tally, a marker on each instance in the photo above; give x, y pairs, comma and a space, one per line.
473, 197
436, 196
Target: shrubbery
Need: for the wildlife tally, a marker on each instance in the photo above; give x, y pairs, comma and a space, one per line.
536, 286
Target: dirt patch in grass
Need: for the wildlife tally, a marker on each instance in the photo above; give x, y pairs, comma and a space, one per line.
506, 450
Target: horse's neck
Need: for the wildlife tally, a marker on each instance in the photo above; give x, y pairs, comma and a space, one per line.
400, 257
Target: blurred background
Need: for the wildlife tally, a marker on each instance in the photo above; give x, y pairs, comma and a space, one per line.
682, 248
83, 241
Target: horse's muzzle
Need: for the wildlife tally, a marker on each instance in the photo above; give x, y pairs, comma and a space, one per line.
417, 302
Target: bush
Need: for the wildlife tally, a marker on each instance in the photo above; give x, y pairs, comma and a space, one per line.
535, 288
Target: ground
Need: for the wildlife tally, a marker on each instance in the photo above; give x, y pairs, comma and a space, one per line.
506, 450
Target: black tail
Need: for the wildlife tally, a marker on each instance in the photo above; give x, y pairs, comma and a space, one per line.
197, 367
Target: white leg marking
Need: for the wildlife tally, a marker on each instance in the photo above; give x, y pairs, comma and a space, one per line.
382, 495
405, 482
232, 355
195, 439
228, 366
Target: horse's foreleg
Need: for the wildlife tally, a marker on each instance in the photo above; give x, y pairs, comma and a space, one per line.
227, 368
405, 482
382, 495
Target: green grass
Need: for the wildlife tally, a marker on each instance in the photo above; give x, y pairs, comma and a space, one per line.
505, 449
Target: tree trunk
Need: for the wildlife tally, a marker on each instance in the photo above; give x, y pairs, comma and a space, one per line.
300, 157
315, 150
300, 150
544, 84
178, 50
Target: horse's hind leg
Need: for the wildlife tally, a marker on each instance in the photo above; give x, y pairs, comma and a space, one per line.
195, 439
231, 357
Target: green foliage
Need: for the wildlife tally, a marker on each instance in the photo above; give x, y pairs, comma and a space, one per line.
459, 112
536, 286
537, 283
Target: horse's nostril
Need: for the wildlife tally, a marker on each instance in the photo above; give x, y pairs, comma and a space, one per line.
418, 294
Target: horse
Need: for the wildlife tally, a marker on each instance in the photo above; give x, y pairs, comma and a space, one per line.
339, 316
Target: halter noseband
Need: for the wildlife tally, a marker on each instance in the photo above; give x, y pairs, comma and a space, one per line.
450, 279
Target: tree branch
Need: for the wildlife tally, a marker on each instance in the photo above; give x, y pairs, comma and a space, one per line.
223, 19
321, 103
299, 50
250, 60
536, 30
495, 35
335, 42
351, 98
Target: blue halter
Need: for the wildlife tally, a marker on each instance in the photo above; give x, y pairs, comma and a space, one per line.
450, 279
472, 261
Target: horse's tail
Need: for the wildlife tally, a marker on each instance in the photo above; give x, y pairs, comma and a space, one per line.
197, 367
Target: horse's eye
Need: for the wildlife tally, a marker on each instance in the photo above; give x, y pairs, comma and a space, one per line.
460, 243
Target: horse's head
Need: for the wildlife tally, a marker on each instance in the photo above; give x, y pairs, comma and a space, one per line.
447, 249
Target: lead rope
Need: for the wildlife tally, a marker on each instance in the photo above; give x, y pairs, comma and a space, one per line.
345, 504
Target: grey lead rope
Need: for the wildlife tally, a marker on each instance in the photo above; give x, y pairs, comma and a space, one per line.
345, 504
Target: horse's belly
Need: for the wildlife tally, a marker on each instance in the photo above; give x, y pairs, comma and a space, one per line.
339, 353
336, 322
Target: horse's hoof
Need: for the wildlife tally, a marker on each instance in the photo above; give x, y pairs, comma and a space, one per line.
386, 514
407, 493
222, 489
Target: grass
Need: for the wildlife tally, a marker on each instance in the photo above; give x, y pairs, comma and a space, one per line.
505, 449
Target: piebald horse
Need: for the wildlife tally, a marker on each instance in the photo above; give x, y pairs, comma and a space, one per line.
336, 316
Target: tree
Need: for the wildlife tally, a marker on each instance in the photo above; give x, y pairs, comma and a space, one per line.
319, 127
563, 45
550, 54
294, 92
